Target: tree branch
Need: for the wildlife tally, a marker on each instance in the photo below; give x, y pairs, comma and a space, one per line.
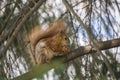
84, 50
34, 8
91, 35
39, 70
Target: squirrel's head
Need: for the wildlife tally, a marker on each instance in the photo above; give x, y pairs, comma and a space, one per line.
59, 43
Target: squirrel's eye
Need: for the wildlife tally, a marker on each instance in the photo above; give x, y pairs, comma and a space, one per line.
65, 38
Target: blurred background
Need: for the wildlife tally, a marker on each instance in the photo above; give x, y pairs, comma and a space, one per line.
87, 21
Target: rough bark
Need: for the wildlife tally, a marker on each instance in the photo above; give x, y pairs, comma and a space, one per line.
84, 50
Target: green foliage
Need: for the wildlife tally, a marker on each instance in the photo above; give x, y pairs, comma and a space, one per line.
2, 78
38, 70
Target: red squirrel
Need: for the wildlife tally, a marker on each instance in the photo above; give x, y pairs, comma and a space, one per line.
49, 41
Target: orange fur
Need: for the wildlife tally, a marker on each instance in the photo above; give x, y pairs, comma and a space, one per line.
54, 28
51, 42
